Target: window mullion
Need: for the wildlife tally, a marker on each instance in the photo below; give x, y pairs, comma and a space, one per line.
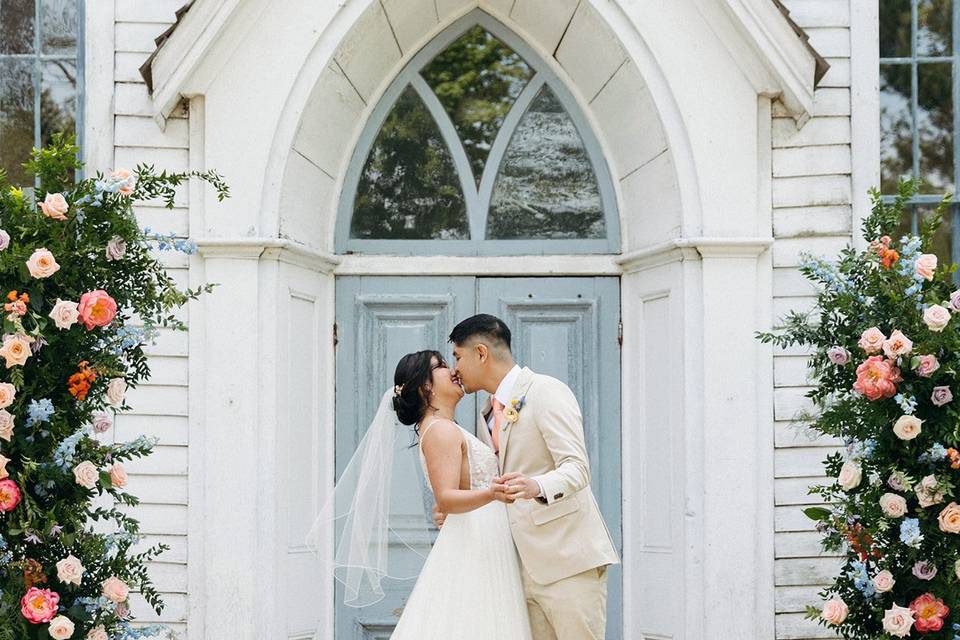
37, 76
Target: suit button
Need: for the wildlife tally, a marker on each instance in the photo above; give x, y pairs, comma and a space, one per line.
558, 496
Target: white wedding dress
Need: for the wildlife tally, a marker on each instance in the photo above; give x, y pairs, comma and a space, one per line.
470, 587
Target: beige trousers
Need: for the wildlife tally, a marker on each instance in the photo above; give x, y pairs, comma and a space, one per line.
574, 608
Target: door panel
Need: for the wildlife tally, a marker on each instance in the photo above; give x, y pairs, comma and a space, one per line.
564, 327
568, 328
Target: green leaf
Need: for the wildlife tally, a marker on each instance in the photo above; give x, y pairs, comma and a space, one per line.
817, 513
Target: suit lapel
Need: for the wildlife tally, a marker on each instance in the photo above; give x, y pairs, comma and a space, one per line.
519, 389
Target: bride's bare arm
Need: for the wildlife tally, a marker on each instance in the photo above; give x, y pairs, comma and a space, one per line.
443, 449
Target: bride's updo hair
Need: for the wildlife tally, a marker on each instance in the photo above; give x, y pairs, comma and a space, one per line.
410, 397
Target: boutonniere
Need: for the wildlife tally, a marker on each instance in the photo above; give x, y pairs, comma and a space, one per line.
512, 413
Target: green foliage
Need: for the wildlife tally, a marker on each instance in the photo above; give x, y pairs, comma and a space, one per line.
71, 369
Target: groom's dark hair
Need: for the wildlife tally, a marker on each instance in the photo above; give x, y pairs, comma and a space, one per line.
490, 328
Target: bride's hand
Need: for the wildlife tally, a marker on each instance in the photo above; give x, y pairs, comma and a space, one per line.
438, 516
499, 493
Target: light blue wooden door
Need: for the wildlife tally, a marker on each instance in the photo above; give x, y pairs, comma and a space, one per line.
568, 328
380, 319
564, 327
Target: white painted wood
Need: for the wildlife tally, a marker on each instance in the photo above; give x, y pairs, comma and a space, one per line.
865, 110
795, 491
818, 131
811, 161
544, 20
161, 11
650, 193
137, 37
98, 83
369, 51
127, 66
819, 13
786, 251
830, 41
831, 102
809, 221
132, 99
448, 10
801, 461
308, 201
838, 75
410, 20
137, 131
807, 191
589, 52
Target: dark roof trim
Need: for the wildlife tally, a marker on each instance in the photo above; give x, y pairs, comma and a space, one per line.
822, 65
146, 69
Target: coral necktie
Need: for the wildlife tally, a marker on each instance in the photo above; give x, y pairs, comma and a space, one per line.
497, 423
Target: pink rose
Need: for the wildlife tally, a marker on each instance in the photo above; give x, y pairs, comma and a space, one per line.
6, 425
118, 476
955, 300
897, 621
871, 341
98, 633
877, 378
4, 240
102, 422
70, 570
86, 474
928, 364
16, 349
926, 266
9, 495
850, 476
924, 570
115, 589
941, 396
116, 248
61, 628
64, 314
884, 581
835, 611
116, 389
949, 518
97, 309
55, 206
39, 605
897, 345
7, 394
838, 355
42, 264
893, 505
126, 181
936, 318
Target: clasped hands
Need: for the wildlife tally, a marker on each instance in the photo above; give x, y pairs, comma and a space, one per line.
507, 488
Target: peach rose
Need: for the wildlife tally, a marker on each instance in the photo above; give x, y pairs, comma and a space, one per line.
60, 628
116, 389
118, 476
877, 378
897, 621
893, 505
907, 427
127, 179
928, 364
926, 266
850, 475
897, 345
42, 264
835, 611
70, 570
115, 589
55, 206
871, 341
39, 605
6, 425
936, 318
86, 474
16, 349
927, 492
98, 633
956, 568
949, 518
884, 581
7, 394
97, 309
64, 314
3, 467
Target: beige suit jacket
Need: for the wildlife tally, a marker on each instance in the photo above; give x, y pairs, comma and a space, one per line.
567, 535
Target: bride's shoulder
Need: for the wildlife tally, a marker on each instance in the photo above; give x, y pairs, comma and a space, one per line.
439, 429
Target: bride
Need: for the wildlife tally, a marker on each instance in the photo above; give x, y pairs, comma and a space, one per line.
470, 585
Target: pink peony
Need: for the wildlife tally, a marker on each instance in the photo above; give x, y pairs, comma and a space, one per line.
871, 341
928, 364
39, 605
877, 378
926, 266
97, 309
838, 355
929, 612
941, 396
9, 495
897, 345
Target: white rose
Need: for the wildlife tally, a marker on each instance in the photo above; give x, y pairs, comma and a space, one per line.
850, 475
115, 590
86, 474
60, 628
6, 425
956, 568
64, 314
897, 621
116, 248
69, 570
884, 581
936, 317
893, 505
98, 633
907, 427
116, 389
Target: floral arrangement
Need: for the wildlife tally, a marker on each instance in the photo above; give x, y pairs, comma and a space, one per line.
76, 271
885, 334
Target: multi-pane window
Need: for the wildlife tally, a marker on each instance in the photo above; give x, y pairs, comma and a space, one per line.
41, 76
477, 140
918, 94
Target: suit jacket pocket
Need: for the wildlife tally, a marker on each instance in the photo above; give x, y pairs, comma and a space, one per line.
543, 515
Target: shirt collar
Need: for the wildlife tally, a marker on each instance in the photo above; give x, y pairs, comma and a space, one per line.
506, 386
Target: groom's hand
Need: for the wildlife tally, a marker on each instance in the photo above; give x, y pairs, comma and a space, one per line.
500, 492
519, 486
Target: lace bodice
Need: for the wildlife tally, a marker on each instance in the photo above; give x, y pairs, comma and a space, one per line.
484, 466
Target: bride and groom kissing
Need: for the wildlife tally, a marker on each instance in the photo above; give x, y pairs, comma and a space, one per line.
522, 551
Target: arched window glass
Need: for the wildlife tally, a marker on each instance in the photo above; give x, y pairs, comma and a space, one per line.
477, 144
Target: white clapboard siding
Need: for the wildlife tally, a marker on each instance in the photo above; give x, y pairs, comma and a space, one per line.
812, 197
160, 405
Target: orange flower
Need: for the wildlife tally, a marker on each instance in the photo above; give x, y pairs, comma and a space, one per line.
12, 295
954, 456
79, 383
33, 573
888, 258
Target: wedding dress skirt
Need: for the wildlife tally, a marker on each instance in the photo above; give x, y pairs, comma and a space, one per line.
470, 586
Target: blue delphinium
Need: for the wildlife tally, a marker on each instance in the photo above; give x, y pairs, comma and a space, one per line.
910, 532
860, 449
39, 411
861, 579
908, 404
936, 453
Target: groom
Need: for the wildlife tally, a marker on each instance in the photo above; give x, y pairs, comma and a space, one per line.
533, 422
